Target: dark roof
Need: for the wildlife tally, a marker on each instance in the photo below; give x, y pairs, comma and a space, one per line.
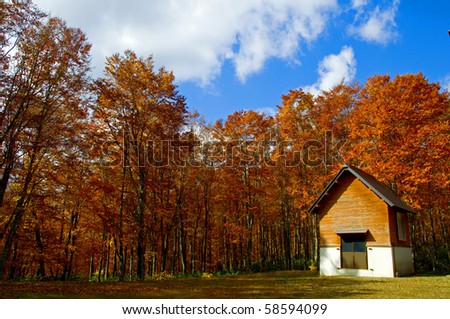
372, 183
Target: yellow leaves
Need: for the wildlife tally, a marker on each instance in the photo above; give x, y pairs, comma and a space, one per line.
397, 130
206, 275
313, 267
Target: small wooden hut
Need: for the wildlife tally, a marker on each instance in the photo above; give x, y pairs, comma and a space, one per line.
364, 227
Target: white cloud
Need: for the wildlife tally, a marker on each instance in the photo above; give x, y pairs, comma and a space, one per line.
359, 3
195, 37
446, 83
334, 69
377, 26
268, 111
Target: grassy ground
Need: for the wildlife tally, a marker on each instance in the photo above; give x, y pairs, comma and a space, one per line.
282, 284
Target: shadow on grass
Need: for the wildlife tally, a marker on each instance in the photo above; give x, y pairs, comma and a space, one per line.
264, 285
282, 284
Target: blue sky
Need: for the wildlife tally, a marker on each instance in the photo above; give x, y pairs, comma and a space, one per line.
230, 55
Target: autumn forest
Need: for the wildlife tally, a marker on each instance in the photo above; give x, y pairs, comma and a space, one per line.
115, 178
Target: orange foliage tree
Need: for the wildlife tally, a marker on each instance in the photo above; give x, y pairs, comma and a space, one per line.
43, 105
140, 111
400, 132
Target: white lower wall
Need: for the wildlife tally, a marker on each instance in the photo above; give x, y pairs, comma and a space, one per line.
380, 263
330, 261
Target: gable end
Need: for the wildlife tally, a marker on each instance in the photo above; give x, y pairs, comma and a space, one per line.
370, 182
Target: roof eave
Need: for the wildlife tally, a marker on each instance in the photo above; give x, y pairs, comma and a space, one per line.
379, 194
325, 192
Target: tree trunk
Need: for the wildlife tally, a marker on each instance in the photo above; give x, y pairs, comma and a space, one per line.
205, 230
141, 240
41, 268
18, 211
9, 159
17, 216
91, 267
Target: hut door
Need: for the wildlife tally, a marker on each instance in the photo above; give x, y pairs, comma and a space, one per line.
354, 252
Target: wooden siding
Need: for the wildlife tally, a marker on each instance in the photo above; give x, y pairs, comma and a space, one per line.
351, 205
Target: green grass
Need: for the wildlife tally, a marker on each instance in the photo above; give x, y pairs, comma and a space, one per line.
281, 284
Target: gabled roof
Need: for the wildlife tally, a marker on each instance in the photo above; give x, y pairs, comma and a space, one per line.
372, 183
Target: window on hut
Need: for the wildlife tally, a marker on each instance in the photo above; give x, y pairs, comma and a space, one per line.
401, 226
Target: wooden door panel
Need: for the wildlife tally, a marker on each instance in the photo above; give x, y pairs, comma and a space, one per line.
353, 252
